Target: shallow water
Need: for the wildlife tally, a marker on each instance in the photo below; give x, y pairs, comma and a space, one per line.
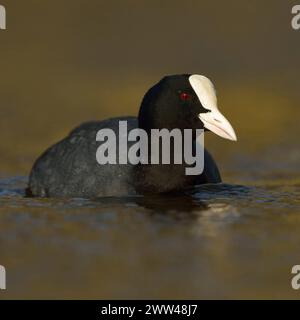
217, 241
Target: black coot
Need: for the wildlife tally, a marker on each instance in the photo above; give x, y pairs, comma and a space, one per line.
70, 169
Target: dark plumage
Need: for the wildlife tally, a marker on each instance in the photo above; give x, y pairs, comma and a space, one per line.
70, 169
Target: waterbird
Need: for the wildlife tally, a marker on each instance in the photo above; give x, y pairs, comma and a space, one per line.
69, 168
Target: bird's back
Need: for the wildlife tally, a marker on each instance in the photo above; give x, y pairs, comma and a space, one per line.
70, 168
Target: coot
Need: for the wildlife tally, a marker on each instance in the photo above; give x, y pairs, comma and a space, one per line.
70, 168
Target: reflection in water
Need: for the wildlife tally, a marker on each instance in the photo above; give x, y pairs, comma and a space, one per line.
219, 241
177, 205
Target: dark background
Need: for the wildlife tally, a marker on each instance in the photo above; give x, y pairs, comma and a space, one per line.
65, 62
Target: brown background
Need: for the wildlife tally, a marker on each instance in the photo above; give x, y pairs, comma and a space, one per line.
64, 62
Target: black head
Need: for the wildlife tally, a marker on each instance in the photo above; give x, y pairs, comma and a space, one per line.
171, 103
184, 102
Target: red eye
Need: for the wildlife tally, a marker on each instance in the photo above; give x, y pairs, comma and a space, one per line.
184, 96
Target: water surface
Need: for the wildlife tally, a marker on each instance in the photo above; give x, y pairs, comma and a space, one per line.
217, 241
